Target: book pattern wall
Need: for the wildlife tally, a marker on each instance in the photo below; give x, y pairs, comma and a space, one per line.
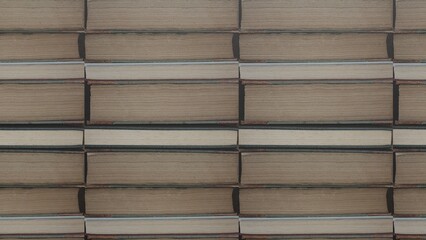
212, 119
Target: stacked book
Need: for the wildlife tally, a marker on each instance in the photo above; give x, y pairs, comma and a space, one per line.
41, 94
409, 134
304, 66
148, 64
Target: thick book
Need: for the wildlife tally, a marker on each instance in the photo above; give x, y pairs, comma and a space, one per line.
316, 168
314, 46
409, 137
29, 71
171, 15
36, 168
285, 102
411, 103
162, 225
368, 225
42, 102
41, 138
42, 15
311, 15
59, 225
40, 46
410, 71
161, 137
315, 137
410, 47
159, 46
410, 15
208, 102
313, 201
159, 201
335, 71
162, 71
410, 168
164, 168
416, 227
410, 201
40, 201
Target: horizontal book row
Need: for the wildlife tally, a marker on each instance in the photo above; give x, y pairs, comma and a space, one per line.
369, 227
202, 15
212, 168
131, 47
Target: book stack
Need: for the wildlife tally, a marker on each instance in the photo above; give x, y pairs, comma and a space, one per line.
162, 159
42, 112
409, 133
318, 107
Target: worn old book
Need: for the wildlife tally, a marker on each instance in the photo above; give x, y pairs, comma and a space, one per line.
410, 201
208, 102
147, 15
317, 168
24, 168
42, 15
317, 71
164, 137
410, 15
159, 201
40, 138
318, 102
315, 137
162, 71
42, 102
409, 137
39, 46
410, 71
412, 103
410, 47
162, 225
162, 168
311, 15
410, 226
317, 225
314, 46
61, 225
410, 168
39, 201
313, 201
29, 71
159, 46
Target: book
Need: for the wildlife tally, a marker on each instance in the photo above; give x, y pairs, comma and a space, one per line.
309, 15
40, 138
46, 15
59, 225
162, 71
410, 71
164, 138
315, 137
36, 168
39, 46
317, 71
162, 225
177, 15
411, 103
41, 71
317, 225
159, 47
318, 102
168, 102
409, 137
162, 168
39, 201
409, 201
159, 201
410, 168
316, 168
313, 46
410, 15
410, 226
313, 201
42, 102
409, 47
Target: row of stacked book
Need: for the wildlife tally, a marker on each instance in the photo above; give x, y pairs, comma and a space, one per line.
212, 119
